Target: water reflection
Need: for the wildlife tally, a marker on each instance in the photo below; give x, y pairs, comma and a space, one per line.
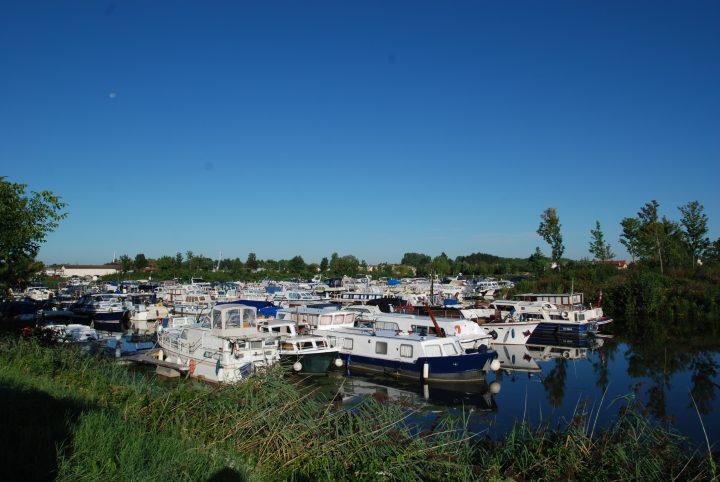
550, 379
704, 373
476, 395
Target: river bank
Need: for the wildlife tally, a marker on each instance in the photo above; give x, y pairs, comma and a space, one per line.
70, 415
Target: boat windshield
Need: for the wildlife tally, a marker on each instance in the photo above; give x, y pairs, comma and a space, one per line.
236, 318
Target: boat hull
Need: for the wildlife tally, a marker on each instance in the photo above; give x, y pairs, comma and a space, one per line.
469, 367
515, 333
315, 364
211, 371
566, 329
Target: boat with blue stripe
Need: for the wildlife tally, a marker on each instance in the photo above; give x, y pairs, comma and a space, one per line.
430, 359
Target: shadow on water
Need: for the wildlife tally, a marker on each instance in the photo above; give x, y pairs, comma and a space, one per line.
34, 428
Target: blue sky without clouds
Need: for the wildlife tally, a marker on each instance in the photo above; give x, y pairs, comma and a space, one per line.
365, 128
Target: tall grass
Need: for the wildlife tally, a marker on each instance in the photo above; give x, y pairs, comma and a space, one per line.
113, 424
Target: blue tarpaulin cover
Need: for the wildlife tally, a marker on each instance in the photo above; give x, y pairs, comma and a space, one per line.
270, 311
258, 304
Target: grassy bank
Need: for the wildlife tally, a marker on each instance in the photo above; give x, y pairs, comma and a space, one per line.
71, 416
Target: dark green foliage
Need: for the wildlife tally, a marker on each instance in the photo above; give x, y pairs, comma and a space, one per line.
140, 262
694, 223
25, 222
598, 247
549, 231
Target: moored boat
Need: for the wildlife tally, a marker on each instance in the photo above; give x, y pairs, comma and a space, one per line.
225, 347
428, 359
306, 353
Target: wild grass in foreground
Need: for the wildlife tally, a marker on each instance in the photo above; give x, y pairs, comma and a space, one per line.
72, 416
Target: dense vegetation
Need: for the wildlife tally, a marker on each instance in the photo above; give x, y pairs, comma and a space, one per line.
73, 416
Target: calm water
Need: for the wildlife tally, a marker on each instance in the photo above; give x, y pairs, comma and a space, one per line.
551, 379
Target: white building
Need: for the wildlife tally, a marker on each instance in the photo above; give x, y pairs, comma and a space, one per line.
82, 270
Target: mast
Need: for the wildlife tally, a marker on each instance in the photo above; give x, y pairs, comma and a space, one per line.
438, 331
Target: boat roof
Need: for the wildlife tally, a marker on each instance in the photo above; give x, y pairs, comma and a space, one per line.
278, 323
311, 311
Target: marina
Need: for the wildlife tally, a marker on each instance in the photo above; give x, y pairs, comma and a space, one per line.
437, 364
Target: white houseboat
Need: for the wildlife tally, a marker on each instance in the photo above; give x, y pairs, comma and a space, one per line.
225, 347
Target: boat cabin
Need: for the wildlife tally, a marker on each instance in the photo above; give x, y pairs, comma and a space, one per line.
559, 299
233, 320
320, 319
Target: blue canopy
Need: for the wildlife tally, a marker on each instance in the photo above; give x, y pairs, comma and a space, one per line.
270, 311
393, 282
258, 304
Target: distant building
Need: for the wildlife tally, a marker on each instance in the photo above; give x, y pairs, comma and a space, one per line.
618, 263
81, 270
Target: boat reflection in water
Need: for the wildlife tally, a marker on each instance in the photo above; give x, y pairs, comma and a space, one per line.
479, 396
517, 358
547, 347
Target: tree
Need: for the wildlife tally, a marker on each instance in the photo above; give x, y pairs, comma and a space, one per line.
598, 247
126, 264
694, 224
297, 265
165, 263
421, 262
345, 265
549, 230
25, 222
441, 264
650, 230
712, 254
140, 262
537, 262
252, 263
630, 236
324, 263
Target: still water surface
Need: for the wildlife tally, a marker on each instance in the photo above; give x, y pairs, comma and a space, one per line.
551, 379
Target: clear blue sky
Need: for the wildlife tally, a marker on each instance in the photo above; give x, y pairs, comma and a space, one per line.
365, 128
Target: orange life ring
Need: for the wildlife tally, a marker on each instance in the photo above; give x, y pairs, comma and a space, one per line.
457, 329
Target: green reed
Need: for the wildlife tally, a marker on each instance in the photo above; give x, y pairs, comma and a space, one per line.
96, 420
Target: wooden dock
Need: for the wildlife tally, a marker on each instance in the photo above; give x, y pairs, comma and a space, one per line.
150, 358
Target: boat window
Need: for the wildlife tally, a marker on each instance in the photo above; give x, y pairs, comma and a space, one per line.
320, 343
217, 320
183, 335
287, 346
387, 325
248, 318
256, 345
269, 342
581, 317
432, 350
234, 319
332, 340
381, 347
348, 343
326, 320
406, 351
241, 345
450, 349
